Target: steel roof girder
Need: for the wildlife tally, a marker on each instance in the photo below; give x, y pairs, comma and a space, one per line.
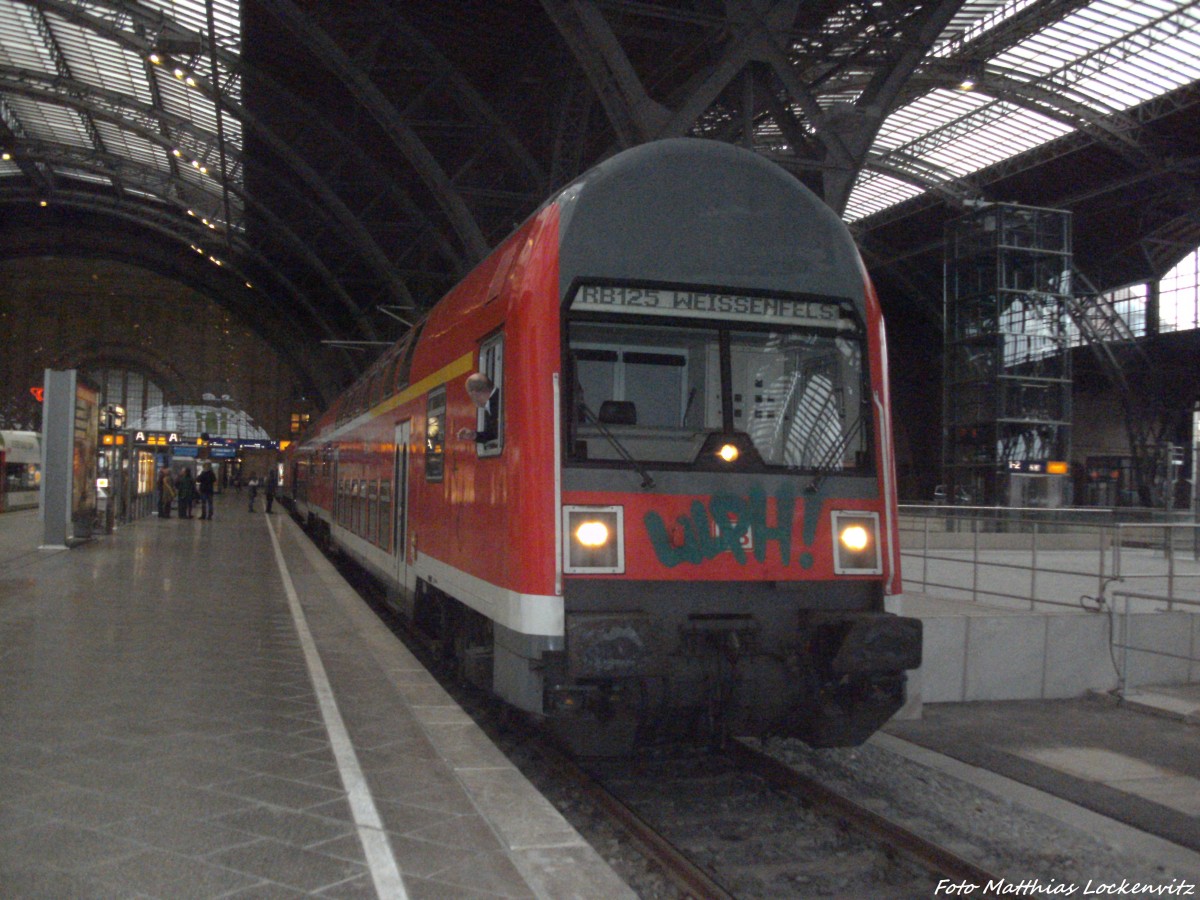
385, 114
634, 116
481, 111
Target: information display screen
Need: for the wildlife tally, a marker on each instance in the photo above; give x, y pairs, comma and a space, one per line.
779, 311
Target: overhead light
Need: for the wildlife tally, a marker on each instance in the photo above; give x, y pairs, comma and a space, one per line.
972, 76
155, 58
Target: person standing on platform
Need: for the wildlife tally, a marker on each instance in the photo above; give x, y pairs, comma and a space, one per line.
272, 487
205, 482
166, 493
187, 493
253, 485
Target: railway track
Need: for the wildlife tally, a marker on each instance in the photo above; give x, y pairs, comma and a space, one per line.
925, 863
939, 860
907, 864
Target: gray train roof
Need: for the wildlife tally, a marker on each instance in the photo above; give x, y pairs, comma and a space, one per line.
703, 213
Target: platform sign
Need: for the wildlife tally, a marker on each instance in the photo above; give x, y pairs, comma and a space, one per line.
156, 438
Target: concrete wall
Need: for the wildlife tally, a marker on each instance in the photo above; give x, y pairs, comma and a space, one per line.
1038, 656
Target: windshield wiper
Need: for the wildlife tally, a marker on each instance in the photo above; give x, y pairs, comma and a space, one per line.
647, 481
834, 454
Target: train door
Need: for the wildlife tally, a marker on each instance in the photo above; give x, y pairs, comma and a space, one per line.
400, 521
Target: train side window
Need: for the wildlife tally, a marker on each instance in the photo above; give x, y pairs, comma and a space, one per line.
372, 533
385, 515
435, 434
490, 419
404, 363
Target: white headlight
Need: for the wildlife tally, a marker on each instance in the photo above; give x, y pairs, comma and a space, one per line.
855, 537
592, 534
856, 543
593, 539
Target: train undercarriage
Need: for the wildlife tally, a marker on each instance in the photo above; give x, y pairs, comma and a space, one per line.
624, 678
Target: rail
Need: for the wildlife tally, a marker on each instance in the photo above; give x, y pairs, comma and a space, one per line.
1038, 558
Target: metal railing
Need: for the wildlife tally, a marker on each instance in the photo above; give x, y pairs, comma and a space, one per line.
1045, 558
1163, 663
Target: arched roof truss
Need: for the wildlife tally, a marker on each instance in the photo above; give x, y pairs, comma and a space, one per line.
353, 159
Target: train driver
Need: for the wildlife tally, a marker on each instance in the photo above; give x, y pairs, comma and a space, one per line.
486, 397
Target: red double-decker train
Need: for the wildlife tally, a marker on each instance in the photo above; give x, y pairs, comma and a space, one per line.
668, 502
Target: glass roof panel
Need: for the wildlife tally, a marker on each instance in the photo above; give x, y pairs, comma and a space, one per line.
1124, 54
102, 64
49, 122
20, 43
1109, 56
975, 18
41, 40
875, 192
128, 144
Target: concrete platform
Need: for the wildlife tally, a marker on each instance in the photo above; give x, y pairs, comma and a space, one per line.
1136, 763
204, 709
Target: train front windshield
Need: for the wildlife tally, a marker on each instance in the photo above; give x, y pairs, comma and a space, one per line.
655, 387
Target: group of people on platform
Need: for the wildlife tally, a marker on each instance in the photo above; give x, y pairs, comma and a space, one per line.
188, 491
181, 487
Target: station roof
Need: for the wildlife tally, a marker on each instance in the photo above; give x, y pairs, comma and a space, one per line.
327, 169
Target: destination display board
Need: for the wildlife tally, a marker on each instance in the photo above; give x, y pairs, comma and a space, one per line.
706, 304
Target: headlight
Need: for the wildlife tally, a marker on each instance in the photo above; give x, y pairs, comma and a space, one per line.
592, 534
855, 538
593, 539
856, 543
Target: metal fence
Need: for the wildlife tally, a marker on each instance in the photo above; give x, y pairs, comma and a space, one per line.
1039, 558
1173, 657
1044, 560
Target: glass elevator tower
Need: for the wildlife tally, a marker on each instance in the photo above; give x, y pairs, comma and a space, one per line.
1007, 380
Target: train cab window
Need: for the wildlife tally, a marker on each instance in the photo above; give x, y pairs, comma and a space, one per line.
624, 386
791, 380
801, 398
435, 434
